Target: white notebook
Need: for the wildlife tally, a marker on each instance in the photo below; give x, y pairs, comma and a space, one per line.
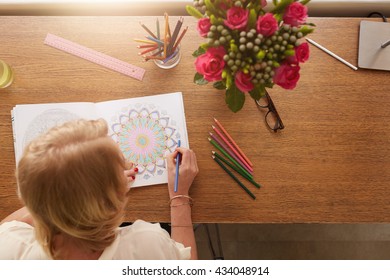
146, 128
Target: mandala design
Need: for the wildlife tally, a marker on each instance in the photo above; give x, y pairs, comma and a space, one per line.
46, 120
144, 135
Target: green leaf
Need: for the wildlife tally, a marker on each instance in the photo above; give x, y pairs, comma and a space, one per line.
306, 30
216, 20
235, 98
192, 11
304, 2
252, 19
198, 52
210, 7
229, 78
281, 6
257, 92
199, 79
219, 85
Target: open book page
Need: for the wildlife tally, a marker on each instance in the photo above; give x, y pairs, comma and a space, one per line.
31, 120
146, 130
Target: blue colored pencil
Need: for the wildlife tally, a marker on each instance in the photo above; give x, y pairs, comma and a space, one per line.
177, 168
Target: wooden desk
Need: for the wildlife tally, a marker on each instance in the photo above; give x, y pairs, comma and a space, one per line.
331, 164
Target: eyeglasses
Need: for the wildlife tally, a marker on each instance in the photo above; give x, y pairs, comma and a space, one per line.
272, 119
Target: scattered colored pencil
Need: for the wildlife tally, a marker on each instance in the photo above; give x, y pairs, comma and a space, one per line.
232, 148
232, 141
226, 149
234, 177
221, 158
228, 156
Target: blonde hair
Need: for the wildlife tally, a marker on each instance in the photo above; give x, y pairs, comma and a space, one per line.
72, 181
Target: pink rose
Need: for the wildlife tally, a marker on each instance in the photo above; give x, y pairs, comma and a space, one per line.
301, 54
243, 82
287, 76
236, 18
263, 3
295, 14
211, 64
203, 26
267, 24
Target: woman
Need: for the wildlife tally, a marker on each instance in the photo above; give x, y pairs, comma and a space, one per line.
73, 181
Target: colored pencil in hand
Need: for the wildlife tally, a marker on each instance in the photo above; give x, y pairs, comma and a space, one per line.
234, 177
177, 168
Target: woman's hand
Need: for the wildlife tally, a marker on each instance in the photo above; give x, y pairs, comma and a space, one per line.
188, 169
130, 172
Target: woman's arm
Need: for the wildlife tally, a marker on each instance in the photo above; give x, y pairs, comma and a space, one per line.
21, 215
181, 221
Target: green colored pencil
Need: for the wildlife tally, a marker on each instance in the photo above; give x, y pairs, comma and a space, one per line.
234, 177
215, 144
236, 169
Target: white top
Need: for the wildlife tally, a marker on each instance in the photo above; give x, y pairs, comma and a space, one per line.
141, 240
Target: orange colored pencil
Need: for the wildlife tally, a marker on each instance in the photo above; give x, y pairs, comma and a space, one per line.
166, 35
232, 141
232, 148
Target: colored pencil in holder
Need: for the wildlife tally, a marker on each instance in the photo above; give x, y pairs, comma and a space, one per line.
174, 35
148, 30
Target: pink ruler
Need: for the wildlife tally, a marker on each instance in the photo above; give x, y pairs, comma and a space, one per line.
95, 56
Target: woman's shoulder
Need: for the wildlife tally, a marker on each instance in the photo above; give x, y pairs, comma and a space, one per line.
17, 241
143, 240
141, 231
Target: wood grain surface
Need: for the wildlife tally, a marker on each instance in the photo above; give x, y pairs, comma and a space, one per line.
331, 163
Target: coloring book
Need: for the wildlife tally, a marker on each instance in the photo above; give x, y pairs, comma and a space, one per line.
145, 128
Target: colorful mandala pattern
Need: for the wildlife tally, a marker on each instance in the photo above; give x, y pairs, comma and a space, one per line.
144, 135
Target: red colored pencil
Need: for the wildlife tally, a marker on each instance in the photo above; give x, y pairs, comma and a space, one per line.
228, 151
232, 141
232, 148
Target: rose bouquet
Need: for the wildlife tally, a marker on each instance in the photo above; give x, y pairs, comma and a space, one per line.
249, 49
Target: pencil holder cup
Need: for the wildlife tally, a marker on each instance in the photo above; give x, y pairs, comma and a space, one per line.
6, 75
171, 61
